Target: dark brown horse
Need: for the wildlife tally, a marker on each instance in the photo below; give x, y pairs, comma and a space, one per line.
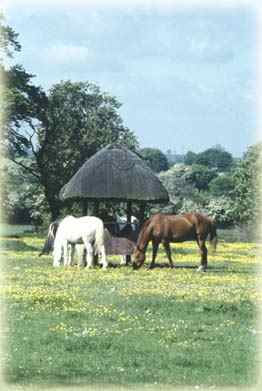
166, 228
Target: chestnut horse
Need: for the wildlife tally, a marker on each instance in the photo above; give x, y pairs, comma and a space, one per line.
166, 228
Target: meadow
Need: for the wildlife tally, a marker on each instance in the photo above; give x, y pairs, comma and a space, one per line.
124, 327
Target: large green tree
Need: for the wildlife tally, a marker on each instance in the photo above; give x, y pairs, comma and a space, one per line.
58, 130
246, 194
80, 119
77, 119
190, 158
8, 39
21, 196
221, 185
215, 157
200, 176
188, 188
21, 101
177, 184
19, 113
155, 159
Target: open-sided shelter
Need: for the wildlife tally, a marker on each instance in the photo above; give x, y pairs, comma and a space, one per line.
115, 174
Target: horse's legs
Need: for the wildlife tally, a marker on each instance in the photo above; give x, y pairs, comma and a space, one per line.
71, 253
168, 253
68, 253
96, 259
155, 249
102, 253
123, 260
65, 253
203, 251
57, 254
89, 254
81, 255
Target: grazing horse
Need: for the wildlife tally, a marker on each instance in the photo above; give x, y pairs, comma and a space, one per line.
88, 230
49, 243
166, 228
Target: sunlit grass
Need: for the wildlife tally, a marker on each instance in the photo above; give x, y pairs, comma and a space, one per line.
169, 326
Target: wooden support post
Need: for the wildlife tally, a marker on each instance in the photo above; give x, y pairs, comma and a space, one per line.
95, 213
85, 207
128, 220
142, 213
128, 212
96, 208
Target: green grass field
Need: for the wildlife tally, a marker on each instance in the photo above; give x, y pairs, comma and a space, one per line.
125, 327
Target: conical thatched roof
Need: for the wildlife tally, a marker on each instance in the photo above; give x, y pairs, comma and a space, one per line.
115, 173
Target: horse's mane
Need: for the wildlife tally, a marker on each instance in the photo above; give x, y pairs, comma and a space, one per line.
143, 228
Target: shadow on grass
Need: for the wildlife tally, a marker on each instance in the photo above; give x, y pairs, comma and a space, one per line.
181, 251
157, 265
166, 265
16, 245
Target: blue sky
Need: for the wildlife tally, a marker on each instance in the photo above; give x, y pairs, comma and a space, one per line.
186, 76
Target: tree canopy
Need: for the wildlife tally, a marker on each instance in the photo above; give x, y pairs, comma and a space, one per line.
221, 184
80, 120
8, 39
188, 187
215, 158
22, 101
190, 158
22, 110
246, 193
155, 159
200, 176
59, 129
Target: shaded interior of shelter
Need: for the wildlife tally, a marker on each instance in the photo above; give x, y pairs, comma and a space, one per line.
116, 175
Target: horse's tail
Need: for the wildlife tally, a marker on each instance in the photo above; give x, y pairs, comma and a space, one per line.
99, 238
213, 235
58, 251
49, 243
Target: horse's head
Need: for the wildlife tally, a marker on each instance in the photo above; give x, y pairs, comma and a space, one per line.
139, 258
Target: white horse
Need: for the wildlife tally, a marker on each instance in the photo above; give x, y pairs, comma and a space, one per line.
88, 230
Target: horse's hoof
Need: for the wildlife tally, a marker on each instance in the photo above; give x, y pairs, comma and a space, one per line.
135, 266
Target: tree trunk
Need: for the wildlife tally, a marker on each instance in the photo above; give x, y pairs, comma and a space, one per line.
53, 202
54, 207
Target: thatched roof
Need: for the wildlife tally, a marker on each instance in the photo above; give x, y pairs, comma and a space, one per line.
115, 173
